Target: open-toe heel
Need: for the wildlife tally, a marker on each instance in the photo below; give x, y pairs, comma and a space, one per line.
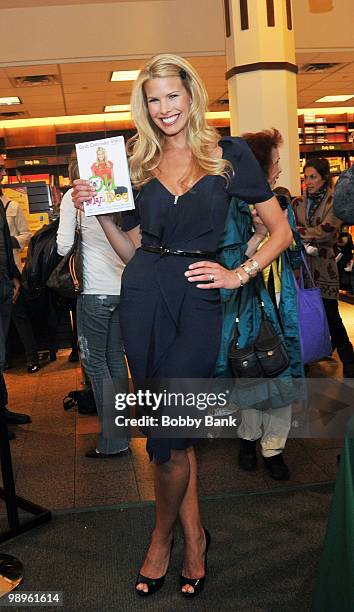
153, 584
196, 583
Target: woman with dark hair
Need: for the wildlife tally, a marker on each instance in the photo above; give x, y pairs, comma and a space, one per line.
265, 146
319, 229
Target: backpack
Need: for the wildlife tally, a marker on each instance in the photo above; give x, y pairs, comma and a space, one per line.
42, 257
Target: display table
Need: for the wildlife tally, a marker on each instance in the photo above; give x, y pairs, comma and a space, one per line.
334, 591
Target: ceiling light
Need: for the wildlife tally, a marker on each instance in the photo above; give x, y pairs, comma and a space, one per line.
342, 98
124, 75
117, 108
9, 101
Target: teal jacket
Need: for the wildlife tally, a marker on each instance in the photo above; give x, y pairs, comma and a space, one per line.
243, 303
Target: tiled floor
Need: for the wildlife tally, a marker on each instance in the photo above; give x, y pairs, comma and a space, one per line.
51, 469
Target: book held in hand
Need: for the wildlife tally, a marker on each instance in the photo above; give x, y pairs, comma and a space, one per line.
104, 163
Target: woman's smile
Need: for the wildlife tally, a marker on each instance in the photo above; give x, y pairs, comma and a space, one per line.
171, 120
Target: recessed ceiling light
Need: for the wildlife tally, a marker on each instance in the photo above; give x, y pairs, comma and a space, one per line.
124, 75
116, 108
9, 101
342, 98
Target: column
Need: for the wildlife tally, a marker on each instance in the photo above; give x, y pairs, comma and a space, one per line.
261, 74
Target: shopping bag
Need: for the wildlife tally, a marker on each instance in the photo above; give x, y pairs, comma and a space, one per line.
315, 340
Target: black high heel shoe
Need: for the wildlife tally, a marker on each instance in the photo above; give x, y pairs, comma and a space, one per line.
153, 584
197, 583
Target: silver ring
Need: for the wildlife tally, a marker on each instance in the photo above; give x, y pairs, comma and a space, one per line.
211, 278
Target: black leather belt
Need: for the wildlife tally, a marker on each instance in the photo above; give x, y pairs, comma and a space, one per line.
165, 251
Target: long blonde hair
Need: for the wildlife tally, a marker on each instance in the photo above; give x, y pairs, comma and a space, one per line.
146, 147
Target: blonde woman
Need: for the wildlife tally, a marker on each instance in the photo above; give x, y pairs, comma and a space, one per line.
102, 167
170, 307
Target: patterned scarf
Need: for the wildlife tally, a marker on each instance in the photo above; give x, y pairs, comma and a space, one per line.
314, 200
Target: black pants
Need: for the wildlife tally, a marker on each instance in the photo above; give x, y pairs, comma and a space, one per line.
339, 336
24, 329
6, 293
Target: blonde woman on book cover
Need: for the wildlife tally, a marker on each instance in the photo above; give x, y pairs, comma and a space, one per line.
102, 167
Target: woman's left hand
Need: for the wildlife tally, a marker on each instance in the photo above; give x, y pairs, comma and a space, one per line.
212, 275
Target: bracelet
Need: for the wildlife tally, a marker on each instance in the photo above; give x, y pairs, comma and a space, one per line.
253, 269
240, 278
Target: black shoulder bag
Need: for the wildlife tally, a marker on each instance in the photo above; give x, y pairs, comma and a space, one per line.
67, 277
265, 358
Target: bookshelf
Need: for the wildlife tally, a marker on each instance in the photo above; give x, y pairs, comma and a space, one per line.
328, 136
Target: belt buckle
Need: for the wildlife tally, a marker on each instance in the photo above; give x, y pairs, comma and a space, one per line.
164, 251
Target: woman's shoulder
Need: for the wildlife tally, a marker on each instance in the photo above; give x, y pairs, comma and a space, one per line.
330, 196
66, 201
236, 150
233, 144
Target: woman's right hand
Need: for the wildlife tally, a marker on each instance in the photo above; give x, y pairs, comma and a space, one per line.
82, 192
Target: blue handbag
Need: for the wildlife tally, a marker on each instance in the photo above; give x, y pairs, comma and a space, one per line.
315, 339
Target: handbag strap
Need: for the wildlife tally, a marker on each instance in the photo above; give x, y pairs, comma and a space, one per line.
306, 266
264, 316
78, 220
259, 298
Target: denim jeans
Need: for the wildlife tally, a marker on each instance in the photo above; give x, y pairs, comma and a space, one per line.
102, 354
6, 293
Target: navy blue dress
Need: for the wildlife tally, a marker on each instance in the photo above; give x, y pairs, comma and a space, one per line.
170, 328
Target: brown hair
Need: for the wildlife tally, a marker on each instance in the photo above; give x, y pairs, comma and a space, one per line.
321, 165
73, 167
262, 145
284, 191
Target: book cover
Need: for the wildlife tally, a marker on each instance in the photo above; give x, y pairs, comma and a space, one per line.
104, 163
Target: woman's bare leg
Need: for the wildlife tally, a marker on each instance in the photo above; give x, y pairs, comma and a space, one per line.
193, 565
171, 480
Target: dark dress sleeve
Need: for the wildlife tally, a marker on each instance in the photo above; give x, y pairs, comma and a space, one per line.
131, 218
248, 182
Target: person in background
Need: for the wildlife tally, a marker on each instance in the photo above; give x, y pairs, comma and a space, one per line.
98, 324
344, 259
319, 229
271, 427
9, 291
20, 237
282, 191
343, 202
